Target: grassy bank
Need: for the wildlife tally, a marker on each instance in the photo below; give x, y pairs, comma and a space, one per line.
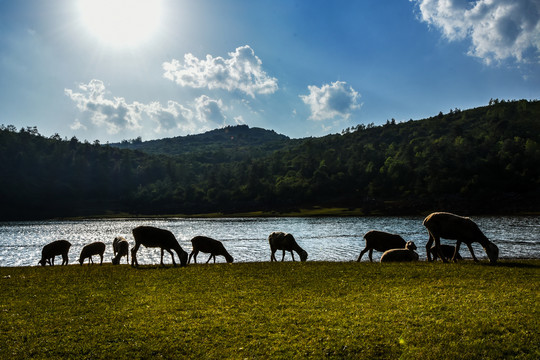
273, 310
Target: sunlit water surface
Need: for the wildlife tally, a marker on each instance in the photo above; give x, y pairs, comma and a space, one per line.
325, 238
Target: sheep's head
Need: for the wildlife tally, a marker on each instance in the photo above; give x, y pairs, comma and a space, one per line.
303, 255
183, 256
410, 245
492, 252
229, 258
115, 261
42, 262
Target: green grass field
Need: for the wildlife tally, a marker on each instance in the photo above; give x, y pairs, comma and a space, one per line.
273, 310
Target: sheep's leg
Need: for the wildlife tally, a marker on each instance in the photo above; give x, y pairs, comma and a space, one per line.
283, 257
207, 261
428, 246
370, 255
52, 261
362, 254
190, 255
456, 250
273, 255
161, 262
438, 249
172, 256
471, 250
134, 250
64, 259
292, 254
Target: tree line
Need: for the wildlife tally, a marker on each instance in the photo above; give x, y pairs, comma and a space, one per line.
482, 160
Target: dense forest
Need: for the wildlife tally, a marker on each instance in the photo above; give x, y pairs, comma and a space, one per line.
482, 160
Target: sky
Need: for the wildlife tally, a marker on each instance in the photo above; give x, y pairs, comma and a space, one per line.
113, 70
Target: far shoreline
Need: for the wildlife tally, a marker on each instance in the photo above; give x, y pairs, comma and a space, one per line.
315, 211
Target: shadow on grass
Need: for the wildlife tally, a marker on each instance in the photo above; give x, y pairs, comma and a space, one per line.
516, 264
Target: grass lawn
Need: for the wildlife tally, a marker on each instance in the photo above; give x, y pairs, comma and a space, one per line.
273, 310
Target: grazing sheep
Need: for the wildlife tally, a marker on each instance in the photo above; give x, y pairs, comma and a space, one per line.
95, 248
381, 241
406, 254
207, 245
447, 250
58, 247
285, 242
455, 227
154, 237
120, 248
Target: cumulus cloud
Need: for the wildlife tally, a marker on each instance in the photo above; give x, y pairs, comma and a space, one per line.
331, 100
498, 29
209, 110
117, 115
242, 71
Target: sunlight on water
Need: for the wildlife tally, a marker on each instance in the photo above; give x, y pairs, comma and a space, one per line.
325, 239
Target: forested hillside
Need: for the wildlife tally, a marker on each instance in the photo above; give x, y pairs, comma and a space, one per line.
483, 160
221, 145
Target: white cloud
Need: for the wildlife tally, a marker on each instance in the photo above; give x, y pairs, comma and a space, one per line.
116, 115
242, 71
331, 100
209, 110
498, 29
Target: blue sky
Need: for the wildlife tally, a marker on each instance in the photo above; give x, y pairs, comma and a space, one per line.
113, 70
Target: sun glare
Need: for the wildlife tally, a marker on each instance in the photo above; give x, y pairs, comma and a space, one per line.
121, 23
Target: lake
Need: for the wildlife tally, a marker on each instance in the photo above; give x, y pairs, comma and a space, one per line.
324, 238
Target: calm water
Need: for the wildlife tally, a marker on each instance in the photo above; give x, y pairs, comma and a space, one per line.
325, 239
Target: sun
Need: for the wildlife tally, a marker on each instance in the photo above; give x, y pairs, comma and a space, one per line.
121, 23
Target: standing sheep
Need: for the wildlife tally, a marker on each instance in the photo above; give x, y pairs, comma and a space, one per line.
381, 241
455, 227
154, 237
406, 254
285, 242
120, 248
51, 250
95, 248
207, 245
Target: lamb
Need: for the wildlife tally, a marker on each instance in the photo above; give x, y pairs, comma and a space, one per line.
207, 245
120, 248
455, 227
447, 250
95, 248
381, 241
154, 237
51, 250
406, 254
285, 242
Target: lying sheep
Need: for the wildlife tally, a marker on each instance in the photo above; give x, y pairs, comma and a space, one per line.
207, 245
459, 228
447, 250
120, 248
381, 241
95, 248
406, 254
51, 250
150, 236
285, 242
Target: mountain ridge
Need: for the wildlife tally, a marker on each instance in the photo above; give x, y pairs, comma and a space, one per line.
237, 137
